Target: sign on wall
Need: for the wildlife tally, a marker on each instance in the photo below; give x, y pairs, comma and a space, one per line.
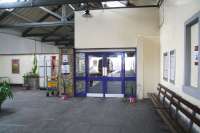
195, 55
165, 66
172, 66
15, 66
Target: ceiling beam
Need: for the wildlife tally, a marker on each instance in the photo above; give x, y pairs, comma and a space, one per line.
45, 34
160, 2
37, 3
36, 25
21, 17
51, 12
5, 14
56, 40
67, 18
41, 19
51, 33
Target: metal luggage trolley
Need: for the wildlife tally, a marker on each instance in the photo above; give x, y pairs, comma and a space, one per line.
52, 89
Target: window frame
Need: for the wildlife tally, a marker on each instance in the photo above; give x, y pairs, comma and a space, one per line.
187, 88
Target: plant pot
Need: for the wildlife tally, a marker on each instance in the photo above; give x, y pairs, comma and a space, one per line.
33, 82
1, 102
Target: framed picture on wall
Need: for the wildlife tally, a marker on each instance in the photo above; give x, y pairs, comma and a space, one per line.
165, 66
15, 66
172, 66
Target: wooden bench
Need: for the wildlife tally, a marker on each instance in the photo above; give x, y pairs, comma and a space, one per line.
167, 101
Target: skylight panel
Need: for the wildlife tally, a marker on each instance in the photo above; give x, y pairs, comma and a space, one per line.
7, 1
114, 4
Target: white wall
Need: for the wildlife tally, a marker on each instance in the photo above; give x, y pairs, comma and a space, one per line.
26, 62
115, 27
176, 12
122, 28
151, 63
14, 47
11, 44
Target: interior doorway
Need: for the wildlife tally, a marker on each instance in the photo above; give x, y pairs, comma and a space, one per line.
106, 73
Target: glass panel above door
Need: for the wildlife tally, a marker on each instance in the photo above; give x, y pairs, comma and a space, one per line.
130, 64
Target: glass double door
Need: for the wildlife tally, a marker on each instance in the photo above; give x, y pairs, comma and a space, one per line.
104, 72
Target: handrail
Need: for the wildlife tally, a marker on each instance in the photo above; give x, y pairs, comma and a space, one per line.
178, 101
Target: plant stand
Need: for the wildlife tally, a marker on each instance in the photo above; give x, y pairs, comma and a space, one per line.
33, 83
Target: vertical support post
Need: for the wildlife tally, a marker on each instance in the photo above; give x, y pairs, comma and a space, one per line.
64, 14
199, 52
59, 71
191, 122
170, 104
163, 100
177, 109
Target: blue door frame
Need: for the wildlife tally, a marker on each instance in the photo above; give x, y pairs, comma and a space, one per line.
103, 79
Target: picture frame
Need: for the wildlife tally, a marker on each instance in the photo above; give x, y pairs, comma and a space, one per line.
15, 66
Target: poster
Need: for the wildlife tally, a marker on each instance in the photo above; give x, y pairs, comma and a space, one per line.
65, 69
165, 66
195, 56
65, 58
15, 66
172, 66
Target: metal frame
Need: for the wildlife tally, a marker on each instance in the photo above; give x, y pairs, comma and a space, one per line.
36, 24
41, 20
51, 12
35, 3
89, 4
104, 80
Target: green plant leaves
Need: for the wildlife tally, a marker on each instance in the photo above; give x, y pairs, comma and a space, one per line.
5, 91
35, 67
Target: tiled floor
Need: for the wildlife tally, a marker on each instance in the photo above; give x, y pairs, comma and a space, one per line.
33, 112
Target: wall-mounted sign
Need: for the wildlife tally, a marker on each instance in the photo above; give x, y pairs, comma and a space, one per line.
165, 66
172, 66
65, 69
15, 66
64, 58
195, 55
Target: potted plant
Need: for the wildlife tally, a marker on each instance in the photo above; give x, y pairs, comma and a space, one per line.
31, 79
5, 92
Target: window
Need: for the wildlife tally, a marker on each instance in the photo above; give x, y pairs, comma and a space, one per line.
192, 58
80, 64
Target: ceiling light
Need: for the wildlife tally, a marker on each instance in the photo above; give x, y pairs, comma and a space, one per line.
114, 4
